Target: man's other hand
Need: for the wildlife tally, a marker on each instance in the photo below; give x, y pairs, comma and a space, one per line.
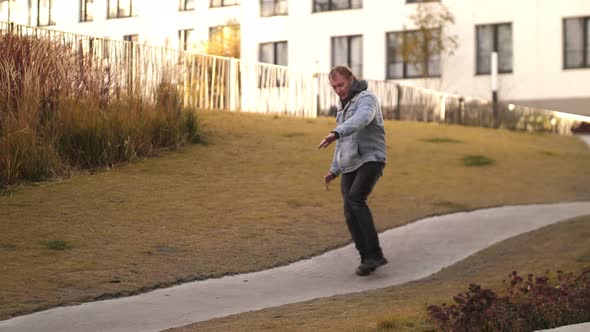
327, 140
327, 179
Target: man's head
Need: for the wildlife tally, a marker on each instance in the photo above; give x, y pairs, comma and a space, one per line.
341, 79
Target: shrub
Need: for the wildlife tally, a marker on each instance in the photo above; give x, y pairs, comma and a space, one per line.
530, 304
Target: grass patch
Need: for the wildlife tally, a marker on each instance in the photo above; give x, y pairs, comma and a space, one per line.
441, 140
294, 203
7, 246
8, 190
450, 205
549, 153
477, 161
58, 245
293, 134
406, 323
215, 203
298, 203
404, 307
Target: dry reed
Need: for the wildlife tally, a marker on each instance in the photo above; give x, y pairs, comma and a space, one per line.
61, 108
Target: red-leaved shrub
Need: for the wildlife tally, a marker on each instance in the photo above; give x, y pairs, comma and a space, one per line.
530, 304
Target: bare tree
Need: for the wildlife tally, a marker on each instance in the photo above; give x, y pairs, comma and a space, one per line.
431, 38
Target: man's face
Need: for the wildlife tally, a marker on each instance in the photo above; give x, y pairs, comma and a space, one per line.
341, 85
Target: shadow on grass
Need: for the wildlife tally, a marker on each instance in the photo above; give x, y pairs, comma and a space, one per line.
293, 134
451, 205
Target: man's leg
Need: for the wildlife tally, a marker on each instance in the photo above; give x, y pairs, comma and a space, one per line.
364, 182
353, 226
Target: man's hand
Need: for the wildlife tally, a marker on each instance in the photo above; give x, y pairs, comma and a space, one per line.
328, 178
327, 140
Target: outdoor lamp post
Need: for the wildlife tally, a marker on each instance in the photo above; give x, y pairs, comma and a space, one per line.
494, 72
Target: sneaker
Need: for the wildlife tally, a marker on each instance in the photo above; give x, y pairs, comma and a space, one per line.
368, 266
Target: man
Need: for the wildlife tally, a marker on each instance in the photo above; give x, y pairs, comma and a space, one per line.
360, 157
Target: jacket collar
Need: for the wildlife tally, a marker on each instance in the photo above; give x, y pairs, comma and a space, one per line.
355, 89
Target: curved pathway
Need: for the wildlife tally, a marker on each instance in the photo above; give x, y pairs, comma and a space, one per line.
414, 251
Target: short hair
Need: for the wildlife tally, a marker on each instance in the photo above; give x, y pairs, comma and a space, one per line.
342, 70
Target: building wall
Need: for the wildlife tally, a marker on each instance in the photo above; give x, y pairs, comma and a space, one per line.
538, 76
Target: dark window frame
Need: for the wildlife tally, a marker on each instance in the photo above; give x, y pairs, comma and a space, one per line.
133, 38
8, 7
405, 64
275, 45
331, 8
130, 55
183, 6
275, 11
84, 11
585, 44
109, 16
348, 51
223, 4
183, 38
49, 18
494, 48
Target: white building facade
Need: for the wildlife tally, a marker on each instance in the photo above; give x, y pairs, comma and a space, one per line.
543, 46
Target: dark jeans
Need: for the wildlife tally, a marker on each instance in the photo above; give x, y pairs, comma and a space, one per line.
356, 187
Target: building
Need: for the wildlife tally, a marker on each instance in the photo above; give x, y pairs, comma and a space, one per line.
543, 46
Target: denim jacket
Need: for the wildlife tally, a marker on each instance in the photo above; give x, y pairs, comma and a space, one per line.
360, 132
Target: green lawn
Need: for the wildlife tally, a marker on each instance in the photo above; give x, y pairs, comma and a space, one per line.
251, 199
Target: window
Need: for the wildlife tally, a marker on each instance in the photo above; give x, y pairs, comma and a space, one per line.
576, 42
45, 13
348, 50
5, 6
274, 53
223, 3
120, 8
273, 7
224, 40
185, 5
184, 37
131, 38
86, 10
106, 46
426, 63
328, 5
494, 38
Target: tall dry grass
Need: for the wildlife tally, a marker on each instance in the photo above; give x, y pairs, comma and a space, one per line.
62, 109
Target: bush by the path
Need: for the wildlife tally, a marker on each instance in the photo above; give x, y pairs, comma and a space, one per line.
60, 109
530, 304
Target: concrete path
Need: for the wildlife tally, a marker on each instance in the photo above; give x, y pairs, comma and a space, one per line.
585, 327
585, 138
414, 251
